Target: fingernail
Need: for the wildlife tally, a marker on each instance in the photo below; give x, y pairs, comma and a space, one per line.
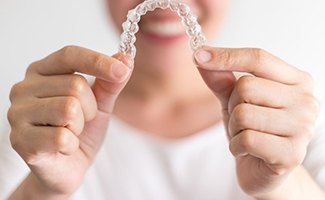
129, 61
126, 59
119, 70
203, 56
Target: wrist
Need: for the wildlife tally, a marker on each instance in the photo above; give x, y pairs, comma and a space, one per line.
32, 188
282, 192
297, 185
286, 189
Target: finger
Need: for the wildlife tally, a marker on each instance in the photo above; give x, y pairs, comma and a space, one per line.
262, 92
255, 61
37, 140
60, 85
56, 111
73, 59
263, 119
107, 92
277, 152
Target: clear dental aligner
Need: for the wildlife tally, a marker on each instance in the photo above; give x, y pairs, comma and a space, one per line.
131, 27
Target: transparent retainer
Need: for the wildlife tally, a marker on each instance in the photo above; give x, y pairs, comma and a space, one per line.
131, 27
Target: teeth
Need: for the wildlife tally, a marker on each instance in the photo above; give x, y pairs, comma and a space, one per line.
164, 28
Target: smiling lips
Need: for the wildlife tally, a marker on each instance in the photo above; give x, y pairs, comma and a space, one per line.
166, 28
162, 26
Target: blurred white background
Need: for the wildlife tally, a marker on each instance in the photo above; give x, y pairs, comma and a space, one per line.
29, 30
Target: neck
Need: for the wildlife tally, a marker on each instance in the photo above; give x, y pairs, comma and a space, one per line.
171, 104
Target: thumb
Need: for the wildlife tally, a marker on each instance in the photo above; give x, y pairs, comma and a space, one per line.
219, 81
221, 84
106, 92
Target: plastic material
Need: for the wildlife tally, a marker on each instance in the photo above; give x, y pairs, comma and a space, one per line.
131, 27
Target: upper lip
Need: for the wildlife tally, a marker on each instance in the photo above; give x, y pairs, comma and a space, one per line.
161, 15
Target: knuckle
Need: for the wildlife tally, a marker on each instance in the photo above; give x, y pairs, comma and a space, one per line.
77, 85
65, 52
307, 130
232, 147
298, 154
307, 114
245, 87
296, 160
308, 77
70, 108
247, 140
308, 80
15, 90
17, 140
61, 138
260, 55
310, 111
240, 115
14, 140
98, 60
14, 115
32, 67
11, 115
226, 56
311, 104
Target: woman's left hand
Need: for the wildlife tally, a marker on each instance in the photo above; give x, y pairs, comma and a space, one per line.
269, 114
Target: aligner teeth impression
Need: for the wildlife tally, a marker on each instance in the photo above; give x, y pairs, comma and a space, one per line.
131, 27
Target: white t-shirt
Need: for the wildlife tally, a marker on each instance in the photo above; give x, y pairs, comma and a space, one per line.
131, 165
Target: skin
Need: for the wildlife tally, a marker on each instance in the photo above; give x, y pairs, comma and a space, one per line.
158, 98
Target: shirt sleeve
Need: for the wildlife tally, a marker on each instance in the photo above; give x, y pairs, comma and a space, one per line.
315, 159
12, 168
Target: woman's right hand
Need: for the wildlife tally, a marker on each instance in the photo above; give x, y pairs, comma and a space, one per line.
58, 121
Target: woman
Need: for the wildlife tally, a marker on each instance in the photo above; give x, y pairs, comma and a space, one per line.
165, 139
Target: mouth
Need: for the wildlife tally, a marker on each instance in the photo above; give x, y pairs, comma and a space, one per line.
163, 30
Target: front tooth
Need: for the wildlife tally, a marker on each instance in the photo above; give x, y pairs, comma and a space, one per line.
165, 28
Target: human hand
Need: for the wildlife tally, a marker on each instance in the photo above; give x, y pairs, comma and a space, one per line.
269, 115
58, 121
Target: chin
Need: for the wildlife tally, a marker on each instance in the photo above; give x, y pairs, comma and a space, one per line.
164, 60
164, 57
